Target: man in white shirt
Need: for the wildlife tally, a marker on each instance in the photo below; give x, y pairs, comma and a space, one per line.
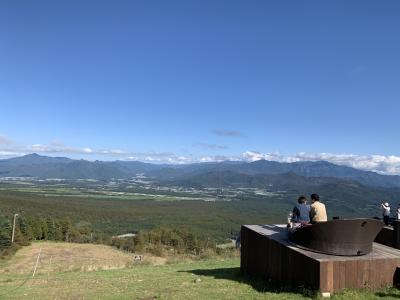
386, 212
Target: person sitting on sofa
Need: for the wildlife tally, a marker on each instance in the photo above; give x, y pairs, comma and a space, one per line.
301, 212
318, 210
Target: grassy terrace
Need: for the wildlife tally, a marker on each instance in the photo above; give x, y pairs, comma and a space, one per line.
93, 272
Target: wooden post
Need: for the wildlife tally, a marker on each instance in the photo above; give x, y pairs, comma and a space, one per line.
48, 271
37, 262
326, 277
13, 229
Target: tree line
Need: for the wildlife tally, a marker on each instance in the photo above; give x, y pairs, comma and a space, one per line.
162, 239
156, 241
29, 229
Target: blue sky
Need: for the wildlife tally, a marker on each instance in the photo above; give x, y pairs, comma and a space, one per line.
199, 78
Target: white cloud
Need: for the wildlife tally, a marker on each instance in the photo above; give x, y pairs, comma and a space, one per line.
217, 158
172, 158
160, 157
114, 151
227, 132
376, 163
10, 148
211, 146
11, 153
273, 156
4, 140
253, 156
58, 148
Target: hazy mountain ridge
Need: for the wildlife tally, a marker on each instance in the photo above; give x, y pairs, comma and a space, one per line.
227, 173
278, 181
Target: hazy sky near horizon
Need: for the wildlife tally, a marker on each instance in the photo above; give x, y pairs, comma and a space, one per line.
115, 79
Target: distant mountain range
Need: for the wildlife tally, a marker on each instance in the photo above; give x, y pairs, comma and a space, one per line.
255, 174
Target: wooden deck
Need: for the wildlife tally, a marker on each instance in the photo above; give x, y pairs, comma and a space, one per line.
266, 251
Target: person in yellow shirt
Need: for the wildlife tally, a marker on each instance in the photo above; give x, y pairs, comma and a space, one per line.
318, 210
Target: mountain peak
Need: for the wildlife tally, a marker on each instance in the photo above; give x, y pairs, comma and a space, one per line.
34, 158
32, 155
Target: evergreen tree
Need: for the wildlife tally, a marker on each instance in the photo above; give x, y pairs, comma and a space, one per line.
5, 232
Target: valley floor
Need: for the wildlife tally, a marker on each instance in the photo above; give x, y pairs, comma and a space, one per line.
100, 272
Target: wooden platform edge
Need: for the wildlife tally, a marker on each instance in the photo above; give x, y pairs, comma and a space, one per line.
280, 263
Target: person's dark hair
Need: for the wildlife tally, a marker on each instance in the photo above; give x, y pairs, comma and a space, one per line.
315, 197
302, 199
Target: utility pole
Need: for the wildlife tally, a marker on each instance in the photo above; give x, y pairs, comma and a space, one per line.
13, 230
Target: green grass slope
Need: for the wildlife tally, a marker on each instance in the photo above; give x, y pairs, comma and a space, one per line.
204, 279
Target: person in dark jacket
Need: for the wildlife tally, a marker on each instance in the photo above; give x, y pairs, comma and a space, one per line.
301, 212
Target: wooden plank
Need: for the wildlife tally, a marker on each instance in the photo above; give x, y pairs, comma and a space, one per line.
243, 249
289, 264
326, 277
314, 274
369, 275
380, 271
342, 268
386, 274
374, 274
365, 273
276, 268
389, 251
336, 276
351, 274
390, 269
362, 273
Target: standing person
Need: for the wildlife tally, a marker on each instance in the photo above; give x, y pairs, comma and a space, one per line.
318, 210
301, 212
385, 212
